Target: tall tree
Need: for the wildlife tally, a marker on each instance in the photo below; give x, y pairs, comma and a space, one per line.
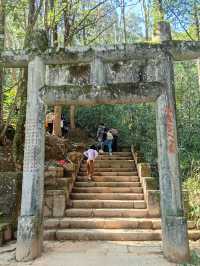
2, 31
158, 13
146, 13
197, 31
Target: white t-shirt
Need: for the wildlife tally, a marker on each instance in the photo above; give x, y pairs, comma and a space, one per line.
109, 136
91, 154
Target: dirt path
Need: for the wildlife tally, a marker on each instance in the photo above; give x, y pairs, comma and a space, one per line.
91, 254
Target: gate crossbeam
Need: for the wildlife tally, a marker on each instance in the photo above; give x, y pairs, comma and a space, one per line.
120, 93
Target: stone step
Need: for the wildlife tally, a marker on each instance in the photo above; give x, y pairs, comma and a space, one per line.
121, 154
107, 196
103, 223
110, 234
112, 162
106, 213
109, 178
111, 174
109, 169
103, 234
100, 204
57, 182
107, 223
107, 184
107, 190
101, 158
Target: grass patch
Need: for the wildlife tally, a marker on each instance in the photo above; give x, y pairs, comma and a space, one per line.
195, 260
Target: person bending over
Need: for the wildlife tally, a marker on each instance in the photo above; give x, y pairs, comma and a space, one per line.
91, 155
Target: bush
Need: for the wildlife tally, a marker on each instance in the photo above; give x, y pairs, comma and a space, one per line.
192, 185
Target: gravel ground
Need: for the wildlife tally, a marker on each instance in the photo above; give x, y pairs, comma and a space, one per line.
91, 254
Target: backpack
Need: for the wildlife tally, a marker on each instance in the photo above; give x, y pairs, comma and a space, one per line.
109, 136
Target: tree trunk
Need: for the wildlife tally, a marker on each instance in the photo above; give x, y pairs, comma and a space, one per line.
2, 29
146, 19
197, 29
198, 68
18, 142
72, 117
158, 14
57, 121
123, 10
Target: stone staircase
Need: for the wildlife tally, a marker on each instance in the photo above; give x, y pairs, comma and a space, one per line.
112, 207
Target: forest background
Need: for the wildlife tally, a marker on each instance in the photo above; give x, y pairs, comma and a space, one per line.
95, 22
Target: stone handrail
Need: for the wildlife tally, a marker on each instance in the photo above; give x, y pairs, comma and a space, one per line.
57, 199
149, 184
151, 194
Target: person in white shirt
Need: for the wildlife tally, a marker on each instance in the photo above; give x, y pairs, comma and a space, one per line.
91, 155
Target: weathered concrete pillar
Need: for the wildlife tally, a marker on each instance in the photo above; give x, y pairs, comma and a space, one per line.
174, 225
97, 75
30, 223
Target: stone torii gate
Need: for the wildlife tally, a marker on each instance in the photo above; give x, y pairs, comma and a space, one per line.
134, 73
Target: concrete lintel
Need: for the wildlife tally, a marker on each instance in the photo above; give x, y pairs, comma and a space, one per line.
109, 94
183, 50
82, 55
180, 50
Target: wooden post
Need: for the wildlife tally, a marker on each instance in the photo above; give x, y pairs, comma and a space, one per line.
30, 223
57, 121
72, 116
174, 224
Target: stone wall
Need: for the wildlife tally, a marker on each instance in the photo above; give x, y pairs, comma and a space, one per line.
10, 193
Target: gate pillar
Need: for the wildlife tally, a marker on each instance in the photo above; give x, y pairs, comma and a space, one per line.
30, 223
174, 224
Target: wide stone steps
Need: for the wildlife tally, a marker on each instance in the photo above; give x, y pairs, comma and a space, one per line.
110, 173
110, 208
106, 212
110, 234
108, 184
112, 163
107, 196
118, 154
106, 223
119, 178
107, 189
118, 158
120, 204
109, 169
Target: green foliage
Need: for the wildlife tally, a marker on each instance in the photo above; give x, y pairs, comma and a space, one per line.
136, 124
188, 113
194, 261
192, 185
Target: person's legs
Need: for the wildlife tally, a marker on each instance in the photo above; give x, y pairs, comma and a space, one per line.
88, 169
91, 168
110, 147
114, 144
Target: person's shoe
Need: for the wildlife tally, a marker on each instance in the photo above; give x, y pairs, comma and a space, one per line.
89, 178
110, 153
